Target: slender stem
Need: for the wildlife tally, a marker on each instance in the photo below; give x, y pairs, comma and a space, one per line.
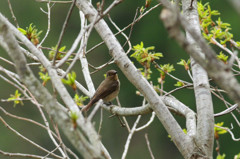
63, 30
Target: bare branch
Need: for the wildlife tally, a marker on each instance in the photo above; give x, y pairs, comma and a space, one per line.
46, 99
50, 1
63, 30
232, 108
148, 123
21, 155
126, 147
13, 16
49, 24
216, 69
135, 77
28, 140
229, 131
149, 147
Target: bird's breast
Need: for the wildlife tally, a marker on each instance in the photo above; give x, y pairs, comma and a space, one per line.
113, 95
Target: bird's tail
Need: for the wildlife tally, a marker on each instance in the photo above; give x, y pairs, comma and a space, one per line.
89, 105
85, 109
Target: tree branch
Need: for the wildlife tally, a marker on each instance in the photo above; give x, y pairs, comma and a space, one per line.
89, 149
182, 141
204, 105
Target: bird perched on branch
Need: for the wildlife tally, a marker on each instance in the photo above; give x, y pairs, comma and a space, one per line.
107, 90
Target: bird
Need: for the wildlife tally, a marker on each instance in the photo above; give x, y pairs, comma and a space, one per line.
107, 90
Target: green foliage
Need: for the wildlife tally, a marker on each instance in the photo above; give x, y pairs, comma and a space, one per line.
16, 98
220, 130
145, 56
31, 33
146, 73
42, 69
205, 16
45, 77
221, 156
147, 4
166, 68
237, 156
59, 56
74, 116
185, 63
79, 100
217, 30
238, 44
222, 57
71, 77
179, 84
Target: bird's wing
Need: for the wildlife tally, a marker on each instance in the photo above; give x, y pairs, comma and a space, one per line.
106, 89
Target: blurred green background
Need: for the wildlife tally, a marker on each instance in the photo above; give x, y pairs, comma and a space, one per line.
150, 30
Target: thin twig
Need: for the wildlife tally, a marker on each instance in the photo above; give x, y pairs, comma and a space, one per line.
70, 52
126, 147
30, 141
63, 30
229, 131
124, 118
226, 104
82, 50
48, 127
125, 28
100, 121
149, 147
10, 82
176, 89
173, 77
13, 16
49, 24
124, 35
25, 119
226, 111
7, 61
21, 155
95, 109
147, 124
227, 50
102, 66
50, 1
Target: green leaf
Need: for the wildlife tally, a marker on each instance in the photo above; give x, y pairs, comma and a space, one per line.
24, 32
220, 131
51, 53
74, 115
45, 77
222, 57
79, 100
238, 43
16, 98
182, 62
166, 68
71, 77
221, 156
179, 84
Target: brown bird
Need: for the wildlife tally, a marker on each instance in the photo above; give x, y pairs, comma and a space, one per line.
107, 90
